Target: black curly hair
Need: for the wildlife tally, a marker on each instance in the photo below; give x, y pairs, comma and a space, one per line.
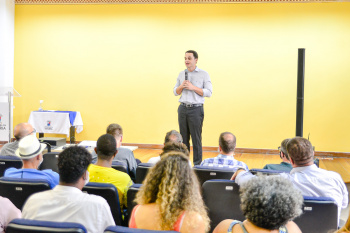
72, 163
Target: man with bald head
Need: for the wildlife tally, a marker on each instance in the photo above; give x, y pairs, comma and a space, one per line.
227, 145
20, 131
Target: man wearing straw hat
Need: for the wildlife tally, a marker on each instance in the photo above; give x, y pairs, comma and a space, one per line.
30, 151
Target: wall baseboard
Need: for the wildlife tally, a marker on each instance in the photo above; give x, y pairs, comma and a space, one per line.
325, 154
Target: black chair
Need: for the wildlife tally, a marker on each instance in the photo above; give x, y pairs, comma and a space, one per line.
34, 226
320, 215
110, 193
141, 171
132, 191
223, 201
120, 229
120, 166
19, 189
9, 161
255, 171
50, 161
205, 173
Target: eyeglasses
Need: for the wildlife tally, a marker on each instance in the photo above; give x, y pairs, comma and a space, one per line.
34, 131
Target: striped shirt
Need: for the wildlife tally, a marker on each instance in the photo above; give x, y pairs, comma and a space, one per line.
225, 161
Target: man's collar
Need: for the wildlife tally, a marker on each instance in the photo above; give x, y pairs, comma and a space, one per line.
299, 169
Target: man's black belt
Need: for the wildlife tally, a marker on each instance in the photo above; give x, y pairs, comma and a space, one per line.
191, 105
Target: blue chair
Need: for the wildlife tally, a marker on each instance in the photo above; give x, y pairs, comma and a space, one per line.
255, 171
34, 226
132, 191
120, 229
9, 161
223, 201
205, 173
120, 166
50, 161
320, 215
110, 193
19, 189
142, 171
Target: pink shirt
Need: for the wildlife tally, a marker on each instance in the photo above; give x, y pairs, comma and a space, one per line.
8, 211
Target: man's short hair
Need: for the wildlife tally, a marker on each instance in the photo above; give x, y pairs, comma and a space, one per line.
283, 147
173, 136
106, 147
300, 151
72, 163
175, 146
115, 129
195, 54
226, 143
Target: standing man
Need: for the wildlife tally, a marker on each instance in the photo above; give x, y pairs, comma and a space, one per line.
193, 84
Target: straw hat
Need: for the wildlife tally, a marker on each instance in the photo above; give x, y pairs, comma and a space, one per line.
29, 147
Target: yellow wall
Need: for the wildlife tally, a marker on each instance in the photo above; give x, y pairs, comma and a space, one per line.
119, 63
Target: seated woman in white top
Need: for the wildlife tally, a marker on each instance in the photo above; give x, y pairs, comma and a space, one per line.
269, 203
8, 211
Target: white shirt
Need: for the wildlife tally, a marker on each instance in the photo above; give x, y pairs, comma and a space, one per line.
313, 181
69, 204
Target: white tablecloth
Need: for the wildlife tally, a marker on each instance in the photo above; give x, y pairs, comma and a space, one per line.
54, 122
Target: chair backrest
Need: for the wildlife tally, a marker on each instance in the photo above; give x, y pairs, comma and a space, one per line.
320, 215
34, 226
255, 171
120, 229
120, 166
141, 171
9, 161
205, 173
50, 161
19, 189
110, 193
223, 201
132, 191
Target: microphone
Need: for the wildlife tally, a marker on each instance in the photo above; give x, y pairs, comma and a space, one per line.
186, 78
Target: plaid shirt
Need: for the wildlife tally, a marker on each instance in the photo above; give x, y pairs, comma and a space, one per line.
225, 161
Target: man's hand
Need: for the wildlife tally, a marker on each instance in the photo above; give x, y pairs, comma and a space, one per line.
236, 173
188, 85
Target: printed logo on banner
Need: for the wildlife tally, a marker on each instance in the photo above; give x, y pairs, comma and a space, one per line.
2, 123
48, 125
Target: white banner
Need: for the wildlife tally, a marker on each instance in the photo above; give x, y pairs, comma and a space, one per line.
4, 121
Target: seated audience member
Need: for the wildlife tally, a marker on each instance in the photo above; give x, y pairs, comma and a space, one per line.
285, 164
306, 176
172, 146
170, 198
8, 211
124, 154
30, 151
66, 202
20, 131
103, 172
227, 145
269, 203
171, 136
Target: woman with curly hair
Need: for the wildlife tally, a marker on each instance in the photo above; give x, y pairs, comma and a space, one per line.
269, 203
170, 198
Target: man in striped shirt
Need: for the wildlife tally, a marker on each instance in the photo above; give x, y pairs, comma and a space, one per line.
227, 145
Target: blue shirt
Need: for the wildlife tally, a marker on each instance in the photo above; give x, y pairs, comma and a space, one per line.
314, 182
198, 78
47, 174
225, 161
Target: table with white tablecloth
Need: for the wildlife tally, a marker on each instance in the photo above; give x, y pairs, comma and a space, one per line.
56, 122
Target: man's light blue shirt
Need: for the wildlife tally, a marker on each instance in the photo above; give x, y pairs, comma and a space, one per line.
52, 177
312, 181
225, 161
198, 78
